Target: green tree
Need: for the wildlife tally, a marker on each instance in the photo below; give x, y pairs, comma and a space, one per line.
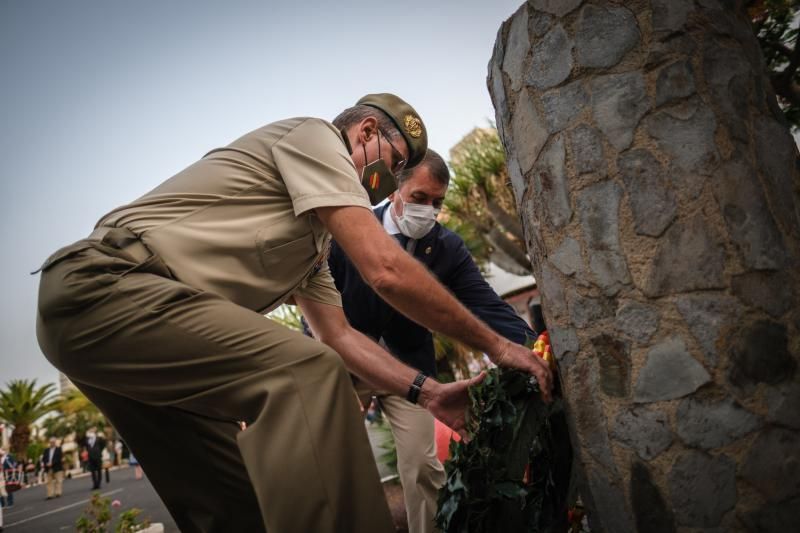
775, 23
74, 414
21, 404
289, 316
480, 205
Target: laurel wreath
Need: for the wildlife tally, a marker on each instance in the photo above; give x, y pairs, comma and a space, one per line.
508, 477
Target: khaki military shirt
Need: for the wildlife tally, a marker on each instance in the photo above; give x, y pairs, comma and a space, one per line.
240, 221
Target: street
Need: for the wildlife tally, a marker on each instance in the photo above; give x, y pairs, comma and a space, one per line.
34, 514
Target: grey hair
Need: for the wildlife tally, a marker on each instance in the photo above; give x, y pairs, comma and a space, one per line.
354, 115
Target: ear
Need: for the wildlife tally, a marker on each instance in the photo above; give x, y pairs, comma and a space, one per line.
367, 128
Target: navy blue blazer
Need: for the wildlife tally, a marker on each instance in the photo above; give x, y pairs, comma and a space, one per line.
447, 257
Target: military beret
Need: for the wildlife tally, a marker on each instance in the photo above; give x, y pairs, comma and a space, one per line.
407, 121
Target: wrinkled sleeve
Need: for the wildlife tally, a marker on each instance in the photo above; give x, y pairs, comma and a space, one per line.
316, 168
320, 287
472, 290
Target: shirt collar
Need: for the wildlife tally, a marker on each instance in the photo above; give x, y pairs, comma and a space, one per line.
388, 221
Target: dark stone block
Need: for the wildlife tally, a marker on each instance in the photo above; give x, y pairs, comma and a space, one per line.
518, 182
604, 35
706, 315
752, 228
550, 180
708, 424
670, 15
702, 488
773, 517
609, 499
651, 512
728, 75
674, 82
770, 291
686, 134
551, 62
528, 134
591, 420
563, 104
613, 356
784, 405
558, 8
646, 431
689, 257
587, 150
539, 24
564, 341
652, 202
668, 373
598, 206
773, 465
618, 103
761, 355
664, 51
637, 320
553, 291
587, 310
567, 257
517, 47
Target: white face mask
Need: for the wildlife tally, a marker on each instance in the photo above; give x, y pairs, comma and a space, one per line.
417, 219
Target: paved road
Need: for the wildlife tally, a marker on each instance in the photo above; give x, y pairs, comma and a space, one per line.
32, 513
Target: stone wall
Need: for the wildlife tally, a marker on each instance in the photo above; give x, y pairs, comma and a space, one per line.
658, 187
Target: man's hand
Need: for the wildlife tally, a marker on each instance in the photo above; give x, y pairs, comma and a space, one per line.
449, 401
515, 356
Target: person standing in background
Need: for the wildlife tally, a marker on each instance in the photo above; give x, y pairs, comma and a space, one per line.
54, 469
94, 446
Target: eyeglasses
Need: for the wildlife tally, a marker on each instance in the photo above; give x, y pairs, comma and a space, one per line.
397, 156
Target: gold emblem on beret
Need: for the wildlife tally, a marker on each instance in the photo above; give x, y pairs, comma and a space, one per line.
413, 126
428, 250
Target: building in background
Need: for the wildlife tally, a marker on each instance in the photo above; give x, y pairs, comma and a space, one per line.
520, 292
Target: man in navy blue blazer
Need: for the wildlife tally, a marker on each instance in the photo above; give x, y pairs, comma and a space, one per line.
411, 217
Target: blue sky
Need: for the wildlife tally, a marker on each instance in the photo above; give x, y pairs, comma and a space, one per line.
102, 100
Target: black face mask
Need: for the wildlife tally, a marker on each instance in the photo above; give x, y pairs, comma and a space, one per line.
376, 177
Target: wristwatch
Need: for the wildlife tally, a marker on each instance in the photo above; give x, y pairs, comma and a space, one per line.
416, 387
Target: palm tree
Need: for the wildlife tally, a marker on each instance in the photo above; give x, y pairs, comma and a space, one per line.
480, 206
74, 414
22, 404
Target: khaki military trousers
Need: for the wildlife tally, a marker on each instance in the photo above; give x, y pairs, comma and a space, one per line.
175, 369
55, 481
421, 472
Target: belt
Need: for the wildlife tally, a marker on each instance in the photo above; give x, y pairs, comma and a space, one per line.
123, 240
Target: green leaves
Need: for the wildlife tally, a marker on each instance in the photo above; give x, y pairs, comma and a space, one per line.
21, 404
485, 490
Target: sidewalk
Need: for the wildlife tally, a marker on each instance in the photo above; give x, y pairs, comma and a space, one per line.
75, 473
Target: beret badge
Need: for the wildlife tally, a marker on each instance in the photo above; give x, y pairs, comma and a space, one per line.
413, 126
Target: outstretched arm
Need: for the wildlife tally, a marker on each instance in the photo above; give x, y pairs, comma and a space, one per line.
408, 287
372, 364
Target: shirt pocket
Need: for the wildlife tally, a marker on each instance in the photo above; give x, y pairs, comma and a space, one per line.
285, 263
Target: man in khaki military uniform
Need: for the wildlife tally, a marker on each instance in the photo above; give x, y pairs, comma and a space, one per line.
158, 318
